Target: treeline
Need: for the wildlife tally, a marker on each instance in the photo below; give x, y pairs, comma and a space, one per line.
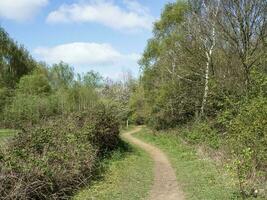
67, 123
32, 91
205, 70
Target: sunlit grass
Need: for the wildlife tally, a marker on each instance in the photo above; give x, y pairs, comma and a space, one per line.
128, 175
5, 134
199, 178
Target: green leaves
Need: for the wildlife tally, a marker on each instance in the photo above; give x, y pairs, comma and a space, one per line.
15, 61
35, 84
55, 158
247, 140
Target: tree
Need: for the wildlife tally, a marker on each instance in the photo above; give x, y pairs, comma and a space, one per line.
243, 27
61, 75
204, 28
15, 61
117, 94
92, 79
34, 84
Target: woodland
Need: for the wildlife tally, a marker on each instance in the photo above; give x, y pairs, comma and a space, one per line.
203, 78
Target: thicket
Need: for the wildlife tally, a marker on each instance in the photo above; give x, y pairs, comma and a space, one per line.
68, 122
205, 69
52, 160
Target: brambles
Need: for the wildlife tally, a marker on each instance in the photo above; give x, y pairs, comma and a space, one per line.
52, 160
247, 140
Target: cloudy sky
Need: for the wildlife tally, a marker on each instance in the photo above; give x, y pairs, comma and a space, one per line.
107, 36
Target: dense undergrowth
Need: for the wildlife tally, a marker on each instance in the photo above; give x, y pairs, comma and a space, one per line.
55, 158
241, 138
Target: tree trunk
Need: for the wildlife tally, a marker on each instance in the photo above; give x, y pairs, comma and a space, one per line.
206, 88
207, 72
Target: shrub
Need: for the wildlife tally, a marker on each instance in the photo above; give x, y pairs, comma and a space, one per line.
103, 128
34, 84
247, 140
54, 159
27, 110
202, 133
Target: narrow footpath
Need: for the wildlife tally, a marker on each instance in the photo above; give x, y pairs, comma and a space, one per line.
165, 186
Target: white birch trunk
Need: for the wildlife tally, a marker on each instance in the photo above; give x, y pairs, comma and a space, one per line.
206, 88
209, 53
207, 71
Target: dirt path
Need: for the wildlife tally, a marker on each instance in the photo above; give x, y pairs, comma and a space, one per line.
165, 186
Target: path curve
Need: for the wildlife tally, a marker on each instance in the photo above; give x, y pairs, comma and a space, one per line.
165, 186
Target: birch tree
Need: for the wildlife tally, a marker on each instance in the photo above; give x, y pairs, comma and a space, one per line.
210, 13
201, 32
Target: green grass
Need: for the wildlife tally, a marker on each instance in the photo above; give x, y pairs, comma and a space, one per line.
200, 178
5, 134
128, 176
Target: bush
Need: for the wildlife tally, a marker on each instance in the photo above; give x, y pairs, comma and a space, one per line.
54, 159
27, 110
249, 130
247, 140
202, 133
103, 128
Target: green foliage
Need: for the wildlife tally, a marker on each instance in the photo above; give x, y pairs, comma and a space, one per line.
35, 84
247, 139
207, 71
5, 95
15, 61
137, 106
36, 99
259, 83
171, 17
92, 79
249, 128
5, 135
61, 75
26, 110
52, 160
117, 95
104, 128
202, 133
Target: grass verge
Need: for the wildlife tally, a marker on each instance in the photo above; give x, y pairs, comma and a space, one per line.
5, 134
200, 178
127, 175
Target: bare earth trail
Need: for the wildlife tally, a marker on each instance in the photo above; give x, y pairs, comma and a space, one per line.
165, 186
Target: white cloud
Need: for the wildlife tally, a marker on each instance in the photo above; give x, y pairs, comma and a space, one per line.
20, 10
133, 17
81, 55
90, 56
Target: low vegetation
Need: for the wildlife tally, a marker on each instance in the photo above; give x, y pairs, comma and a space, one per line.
52, 160
5, 135
199, 176
126, 175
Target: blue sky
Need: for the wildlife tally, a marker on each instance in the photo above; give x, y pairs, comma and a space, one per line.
107, 36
